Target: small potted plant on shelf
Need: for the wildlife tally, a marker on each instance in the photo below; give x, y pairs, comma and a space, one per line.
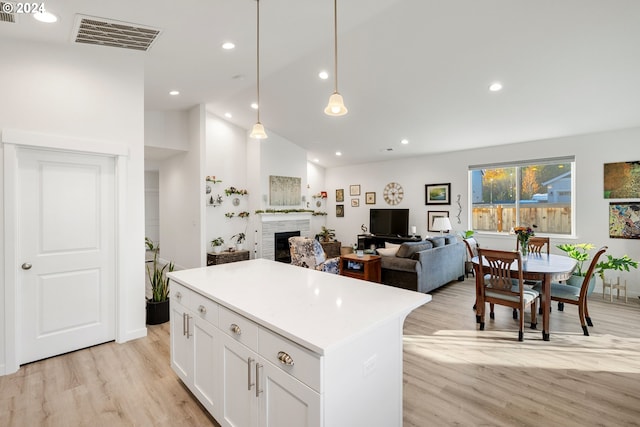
239, 239
216, 245
158, 304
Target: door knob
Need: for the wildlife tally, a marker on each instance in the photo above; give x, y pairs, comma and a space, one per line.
26, 266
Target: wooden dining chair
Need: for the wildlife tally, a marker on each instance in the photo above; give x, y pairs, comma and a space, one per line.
567, 294
472, 249
537, 245
499, 286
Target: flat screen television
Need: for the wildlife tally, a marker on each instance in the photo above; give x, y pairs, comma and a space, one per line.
389, 222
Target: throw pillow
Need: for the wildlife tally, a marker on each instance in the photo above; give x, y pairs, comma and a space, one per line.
410, 248
387, 251
391, 245
437, 241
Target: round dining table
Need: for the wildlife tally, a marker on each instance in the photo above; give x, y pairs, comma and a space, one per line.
545, 268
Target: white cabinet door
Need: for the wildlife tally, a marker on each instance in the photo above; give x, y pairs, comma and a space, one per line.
205, 363
181, 343
285, 401
239, 403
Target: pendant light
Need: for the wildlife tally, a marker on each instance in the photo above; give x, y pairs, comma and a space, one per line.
257, 131
336, 104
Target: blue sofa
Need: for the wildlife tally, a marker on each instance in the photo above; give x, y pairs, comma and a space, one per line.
425, 265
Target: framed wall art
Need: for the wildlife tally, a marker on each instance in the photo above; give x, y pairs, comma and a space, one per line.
622, 180
340, 195
284, 190
370, 198
437, 194
624, 220
354, 190
355, 203
339, 211
431, 215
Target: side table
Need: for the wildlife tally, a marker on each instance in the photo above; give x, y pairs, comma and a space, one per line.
366, 267
226, 256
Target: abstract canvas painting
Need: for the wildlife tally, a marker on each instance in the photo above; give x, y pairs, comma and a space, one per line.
624, 220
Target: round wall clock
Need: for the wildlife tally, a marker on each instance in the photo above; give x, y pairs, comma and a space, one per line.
393, 193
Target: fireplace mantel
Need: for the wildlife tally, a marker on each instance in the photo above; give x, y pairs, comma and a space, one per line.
278, 217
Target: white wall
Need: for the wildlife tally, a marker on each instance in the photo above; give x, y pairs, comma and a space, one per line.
226, 159
592, 210
181, 203
91, 93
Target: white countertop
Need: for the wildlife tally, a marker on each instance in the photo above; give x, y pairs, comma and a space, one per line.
317, 310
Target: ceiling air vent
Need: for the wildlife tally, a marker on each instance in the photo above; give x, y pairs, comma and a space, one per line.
104, 32
5, 15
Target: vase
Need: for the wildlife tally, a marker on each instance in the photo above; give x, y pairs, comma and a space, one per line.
524, 248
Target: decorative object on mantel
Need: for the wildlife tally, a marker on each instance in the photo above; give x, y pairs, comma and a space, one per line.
212, 179
459, 209
282, 211
158, 304
216, 244
437, 194
244, 214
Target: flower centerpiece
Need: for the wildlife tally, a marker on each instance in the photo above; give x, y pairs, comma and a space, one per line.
524, 234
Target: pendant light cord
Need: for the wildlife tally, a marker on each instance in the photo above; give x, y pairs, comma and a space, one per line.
258, 55
335, 44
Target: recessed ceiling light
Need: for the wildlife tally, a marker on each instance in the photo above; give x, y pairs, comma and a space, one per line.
404, 141
228, 45
254, 105
316, 160
46, 17
174, 92
228, 115
323, 75
495, 87
338, 153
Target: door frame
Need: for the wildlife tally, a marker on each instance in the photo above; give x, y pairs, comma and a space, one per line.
12, 140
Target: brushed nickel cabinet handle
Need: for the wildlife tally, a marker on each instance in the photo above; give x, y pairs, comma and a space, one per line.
285, 359
202, 309
235, 329
249, 382
258, 391
184, 323
178, 295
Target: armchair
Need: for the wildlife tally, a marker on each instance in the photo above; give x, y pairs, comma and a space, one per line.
308, 253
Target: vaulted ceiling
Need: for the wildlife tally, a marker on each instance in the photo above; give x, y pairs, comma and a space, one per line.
408, 69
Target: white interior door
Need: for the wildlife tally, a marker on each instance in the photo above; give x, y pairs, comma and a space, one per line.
66, 286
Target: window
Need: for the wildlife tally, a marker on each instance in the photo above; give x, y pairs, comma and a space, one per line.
537, 193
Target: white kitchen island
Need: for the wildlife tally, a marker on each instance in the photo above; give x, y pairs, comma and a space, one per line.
262, 343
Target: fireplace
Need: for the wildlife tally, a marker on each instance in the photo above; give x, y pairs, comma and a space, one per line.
281, 246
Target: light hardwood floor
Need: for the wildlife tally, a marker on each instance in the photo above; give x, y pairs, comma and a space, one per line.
453, 374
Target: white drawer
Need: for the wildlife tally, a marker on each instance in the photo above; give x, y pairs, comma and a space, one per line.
204, 308
291, 358
239, 328
180, 294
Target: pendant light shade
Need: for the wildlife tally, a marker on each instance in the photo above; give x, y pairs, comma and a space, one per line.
257, 131
336, 103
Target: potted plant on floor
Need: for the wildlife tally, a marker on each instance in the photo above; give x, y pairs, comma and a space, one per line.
158, 304
616, 264
579, 252
327, 234
216, 245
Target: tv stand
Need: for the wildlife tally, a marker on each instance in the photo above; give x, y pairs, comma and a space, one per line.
366, 240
